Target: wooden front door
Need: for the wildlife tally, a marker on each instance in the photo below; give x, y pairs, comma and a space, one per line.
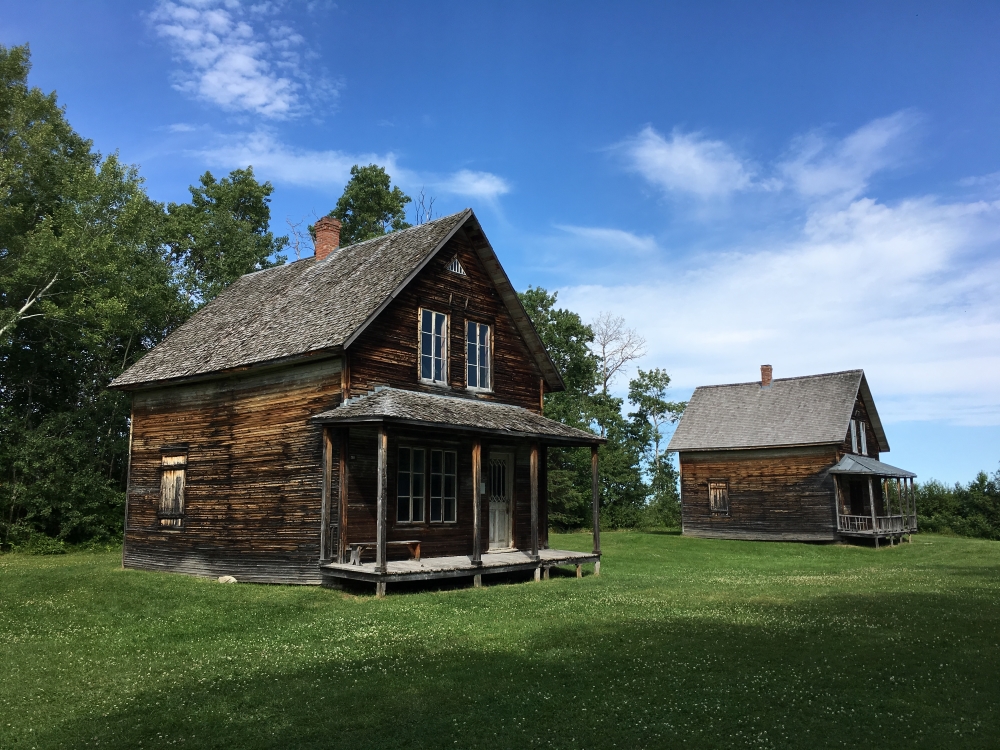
500, 487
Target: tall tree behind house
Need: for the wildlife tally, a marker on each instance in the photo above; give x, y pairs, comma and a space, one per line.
81, 227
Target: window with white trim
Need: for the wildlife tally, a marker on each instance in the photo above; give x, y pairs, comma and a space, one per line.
172, 478
718, 498
444, 485
433, 347
410, 486
478, 355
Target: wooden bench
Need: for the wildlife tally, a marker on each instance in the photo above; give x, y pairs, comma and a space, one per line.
358, 548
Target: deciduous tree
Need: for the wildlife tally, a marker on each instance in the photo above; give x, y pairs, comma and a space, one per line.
370, 206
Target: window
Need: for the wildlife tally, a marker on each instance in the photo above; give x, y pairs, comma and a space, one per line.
456, 267
718, 498
864, 441
443, 486
410, 486
477, 337
433, 346
171, 512
854, 436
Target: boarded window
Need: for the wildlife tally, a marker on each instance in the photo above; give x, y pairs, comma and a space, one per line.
456, 267
477, 337
854, 436
173, 468
444, 482
718, 498
410, 486
433, 346
864, 438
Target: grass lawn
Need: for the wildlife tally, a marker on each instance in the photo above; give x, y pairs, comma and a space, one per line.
679, 643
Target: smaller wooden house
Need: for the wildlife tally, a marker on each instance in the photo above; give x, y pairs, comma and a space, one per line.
792, 459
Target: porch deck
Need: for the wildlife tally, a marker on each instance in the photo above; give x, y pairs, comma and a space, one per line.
458, 566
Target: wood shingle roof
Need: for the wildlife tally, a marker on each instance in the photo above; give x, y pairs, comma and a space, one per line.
311, 306
811, 410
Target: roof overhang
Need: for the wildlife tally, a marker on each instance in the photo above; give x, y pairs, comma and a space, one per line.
868, 466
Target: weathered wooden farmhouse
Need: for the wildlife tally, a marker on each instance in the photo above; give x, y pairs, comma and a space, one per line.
792, 458
372, 413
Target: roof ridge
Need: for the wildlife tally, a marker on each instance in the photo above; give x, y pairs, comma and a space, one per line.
398, 232
785, 380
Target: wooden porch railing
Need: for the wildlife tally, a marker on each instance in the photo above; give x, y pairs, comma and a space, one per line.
896, 524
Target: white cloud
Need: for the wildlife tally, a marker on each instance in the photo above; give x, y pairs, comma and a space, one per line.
818, 166
686, 163
612, 242
273, 160
466, 183
229, 63
909, 292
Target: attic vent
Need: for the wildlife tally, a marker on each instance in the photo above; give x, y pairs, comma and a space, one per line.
456, 267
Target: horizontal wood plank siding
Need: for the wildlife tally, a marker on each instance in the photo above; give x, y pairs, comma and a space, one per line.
386, 353
780, 494
254, 475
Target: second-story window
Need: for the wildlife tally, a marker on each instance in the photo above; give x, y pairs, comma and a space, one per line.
477, 337
433, 346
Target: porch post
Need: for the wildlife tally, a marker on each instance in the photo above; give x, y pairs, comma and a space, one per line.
913, 505
325, 501
871, 502
837, 502
595, 491
344, 437
380, 530
534, 501
477, 478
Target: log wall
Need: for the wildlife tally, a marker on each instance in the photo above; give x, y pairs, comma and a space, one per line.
253, 478
386, 353
773, 494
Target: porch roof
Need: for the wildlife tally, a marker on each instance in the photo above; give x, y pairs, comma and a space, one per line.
852, 464
417, 409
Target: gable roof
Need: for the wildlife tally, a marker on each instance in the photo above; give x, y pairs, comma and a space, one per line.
309, 306
811, 410
454, 412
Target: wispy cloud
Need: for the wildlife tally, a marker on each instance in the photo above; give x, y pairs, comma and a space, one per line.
906, 292
819, 166
686, 163
612, 242
330, 169
231, 63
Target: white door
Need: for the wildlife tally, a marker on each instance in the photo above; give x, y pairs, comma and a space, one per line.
499, 485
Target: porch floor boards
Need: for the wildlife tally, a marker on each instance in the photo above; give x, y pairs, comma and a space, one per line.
457, 566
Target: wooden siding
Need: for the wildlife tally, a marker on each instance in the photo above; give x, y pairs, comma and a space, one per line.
860, 414
386, 353
773, 494
253, 478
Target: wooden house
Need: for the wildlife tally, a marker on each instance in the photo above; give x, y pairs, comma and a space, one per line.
371, 413
792, 458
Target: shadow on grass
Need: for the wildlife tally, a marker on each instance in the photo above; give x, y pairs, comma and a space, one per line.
832, 671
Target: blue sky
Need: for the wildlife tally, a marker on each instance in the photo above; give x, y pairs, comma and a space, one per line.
814, 186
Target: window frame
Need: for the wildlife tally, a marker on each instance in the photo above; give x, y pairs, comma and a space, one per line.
170, 515
862, 433
445, 340
854, 436
489, 355
410, 496
716, 485
444, 496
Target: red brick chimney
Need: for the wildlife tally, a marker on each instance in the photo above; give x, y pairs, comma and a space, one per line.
765, 376
327, 232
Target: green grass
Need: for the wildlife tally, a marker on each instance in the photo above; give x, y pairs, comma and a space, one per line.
679, 643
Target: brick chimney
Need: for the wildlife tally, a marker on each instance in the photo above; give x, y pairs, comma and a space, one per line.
765, 376
327, 232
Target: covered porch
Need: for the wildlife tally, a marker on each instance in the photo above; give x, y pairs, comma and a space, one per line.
494, 521
874, 500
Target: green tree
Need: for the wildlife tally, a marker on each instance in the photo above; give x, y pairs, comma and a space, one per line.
370, 205
222, 233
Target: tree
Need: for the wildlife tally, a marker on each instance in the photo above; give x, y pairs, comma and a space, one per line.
647, 391
222, 233
616, 346
370, 206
